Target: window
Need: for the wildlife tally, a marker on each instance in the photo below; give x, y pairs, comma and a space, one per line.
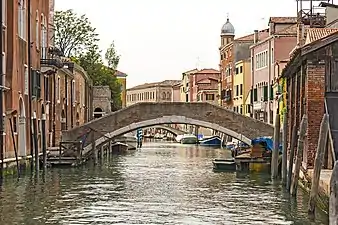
46, 88
261, 60
255, 97
210, 97
43, 37
37, 30
241, 89
73, 92
26, 79
241, 69
237, 70
57, 88
265, 93
15, 124
22, 19
36, 83
237, 90
4, 16
272, 56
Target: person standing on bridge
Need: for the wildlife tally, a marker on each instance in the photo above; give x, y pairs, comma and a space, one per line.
139, 135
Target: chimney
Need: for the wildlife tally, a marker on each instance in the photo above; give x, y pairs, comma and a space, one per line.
255, 36
300, 35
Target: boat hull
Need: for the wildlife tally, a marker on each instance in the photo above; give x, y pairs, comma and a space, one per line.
119, 147
213, 141
189, 140
224, 165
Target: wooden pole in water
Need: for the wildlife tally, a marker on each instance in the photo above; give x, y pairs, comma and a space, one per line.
322, 141
292, 156
94, 148
285, 149
333, 204
275, 152
299, 159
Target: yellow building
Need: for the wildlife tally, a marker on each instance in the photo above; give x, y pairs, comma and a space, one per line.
241, 87
185, 87
122, 78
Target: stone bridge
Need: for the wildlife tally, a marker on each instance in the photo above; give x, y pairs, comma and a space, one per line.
143, 115
172, 130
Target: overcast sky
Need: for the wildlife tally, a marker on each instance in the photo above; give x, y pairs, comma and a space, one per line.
160, 39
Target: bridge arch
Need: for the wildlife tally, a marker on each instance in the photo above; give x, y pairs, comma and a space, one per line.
149, 114
171, 130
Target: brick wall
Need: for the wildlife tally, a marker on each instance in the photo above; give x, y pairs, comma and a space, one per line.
315, 91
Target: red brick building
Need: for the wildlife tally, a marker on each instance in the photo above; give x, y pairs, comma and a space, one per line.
312, 78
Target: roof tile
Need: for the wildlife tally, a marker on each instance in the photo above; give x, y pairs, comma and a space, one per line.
314, 34
279, 19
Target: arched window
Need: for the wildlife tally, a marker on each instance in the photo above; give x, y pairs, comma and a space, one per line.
37, 30
22, 19
168, 96
163, 96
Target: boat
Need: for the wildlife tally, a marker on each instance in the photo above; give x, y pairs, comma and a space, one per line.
119, 147
189, 139
224, 165
179, 138
211, 141
130, 140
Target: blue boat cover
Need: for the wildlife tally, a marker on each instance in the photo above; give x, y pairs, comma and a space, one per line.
265, 141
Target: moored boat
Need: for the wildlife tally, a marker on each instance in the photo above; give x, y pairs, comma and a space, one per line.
179, 138
211, 141
189, 139
119, 147
224, 165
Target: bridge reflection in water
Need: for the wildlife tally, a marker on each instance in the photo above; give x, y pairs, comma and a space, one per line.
162, 183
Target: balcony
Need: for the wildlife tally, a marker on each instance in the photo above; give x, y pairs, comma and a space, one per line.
51, 62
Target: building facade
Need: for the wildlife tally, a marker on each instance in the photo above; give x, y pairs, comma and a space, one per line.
264, 55
231, 51
185, 85
152, 92
242, 87
39, 83
122, 78
200, 80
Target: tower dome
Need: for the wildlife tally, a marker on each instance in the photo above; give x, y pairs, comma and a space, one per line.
228, 28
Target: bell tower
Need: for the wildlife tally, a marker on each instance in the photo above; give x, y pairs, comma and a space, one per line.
227, 32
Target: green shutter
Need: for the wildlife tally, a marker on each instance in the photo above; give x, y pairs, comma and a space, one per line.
33, 83
255, 95
271, 92
265, 93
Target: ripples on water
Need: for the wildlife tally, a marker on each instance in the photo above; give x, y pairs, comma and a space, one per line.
160, 184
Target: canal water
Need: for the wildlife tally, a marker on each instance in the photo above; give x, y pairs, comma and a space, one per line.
162, 183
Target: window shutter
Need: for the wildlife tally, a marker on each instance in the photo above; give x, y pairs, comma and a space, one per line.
265, 93
33, 82
255, 95
271, 92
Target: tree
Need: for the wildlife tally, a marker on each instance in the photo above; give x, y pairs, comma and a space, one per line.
111, 56
77, 39
100, 74
73, 34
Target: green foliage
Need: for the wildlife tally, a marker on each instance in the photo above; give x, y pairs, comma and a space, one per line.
73, 33
112, 57
76, 38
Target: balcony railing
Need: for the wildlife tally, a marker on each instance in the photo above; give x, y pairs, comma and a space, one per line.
51, 62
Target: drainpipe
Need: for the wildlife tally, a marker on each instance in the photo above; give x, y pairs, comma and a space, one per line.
66, 100
1, 106
54, 112
71, 104
269, 83
30, 86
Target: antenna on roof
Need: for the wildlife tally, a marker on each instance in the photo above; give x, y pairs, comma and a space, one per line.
198, 63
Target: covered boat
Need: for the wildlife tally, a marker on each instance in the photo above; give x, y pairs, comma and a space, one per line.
211, 141
189, 139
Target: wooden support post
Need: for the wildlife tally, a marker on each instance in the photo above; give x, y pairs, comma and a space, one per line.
333, 204
285, 149
322, 144
94, 148
291, 156
109, 148
275, 152
299, 159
